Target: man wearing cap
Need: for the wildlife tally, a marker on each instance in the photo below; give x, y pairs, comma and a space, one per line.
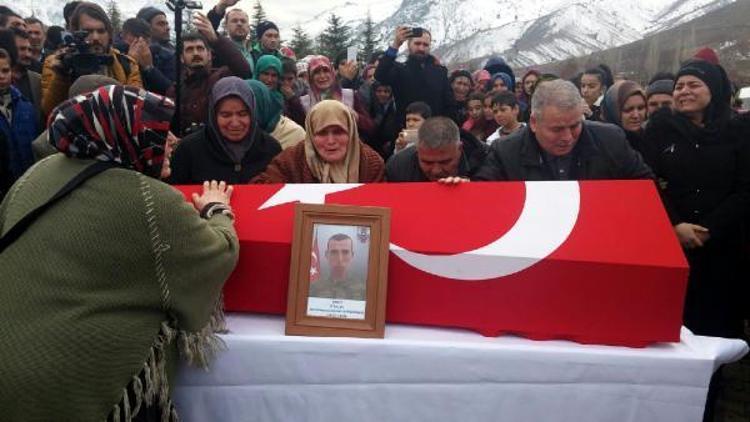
267, 40
659, 94
162, 50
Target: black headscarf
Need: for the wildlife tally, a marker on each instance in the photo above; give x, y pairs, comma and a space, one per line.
232, 86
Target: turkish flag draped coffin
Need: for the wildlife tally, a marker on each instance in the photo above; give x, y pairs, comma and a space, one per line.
593, 262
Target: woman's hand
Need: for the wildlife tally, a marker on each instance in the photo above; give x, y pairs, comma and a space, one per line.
213, 191
691, 235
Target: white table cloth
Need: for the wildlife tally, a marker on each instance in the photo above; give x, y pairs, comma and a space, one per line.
434, 374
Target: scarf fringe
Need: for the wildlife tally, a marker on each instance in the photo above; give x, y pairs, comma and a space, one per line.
198, 349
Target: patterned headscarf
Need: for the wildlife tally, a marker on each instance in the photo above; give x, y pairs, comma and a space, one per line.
332, 93
121, 124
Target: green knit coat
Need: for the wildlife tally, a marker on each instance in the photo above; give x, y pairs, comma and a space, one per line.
103, 291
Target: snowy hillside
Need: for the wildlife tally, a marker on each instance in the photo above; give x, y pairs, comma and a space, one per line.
525, 32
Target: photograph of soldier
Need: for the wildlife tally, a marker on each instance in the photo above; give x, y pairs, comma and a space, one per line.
344, 269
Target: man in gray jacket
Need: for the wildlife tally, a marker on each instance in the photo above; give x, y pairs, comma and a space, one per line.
558, 144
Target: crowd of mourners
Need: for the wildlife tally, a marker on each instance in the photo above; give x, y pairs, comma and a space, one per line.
118, 273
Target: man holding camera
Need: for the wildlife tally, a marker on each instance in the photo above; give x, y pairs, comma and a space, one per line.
92, 55
199, 76
421, 78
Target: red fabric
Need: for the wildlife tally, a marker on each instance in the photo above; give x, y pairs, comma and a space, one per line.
619, 278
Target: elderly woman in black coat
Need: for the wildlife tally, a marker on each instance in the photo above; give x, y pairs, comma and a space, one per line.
701, 155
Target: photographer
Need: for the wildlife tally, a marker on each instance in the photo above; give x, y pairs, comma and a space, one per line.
421, 78
90, 55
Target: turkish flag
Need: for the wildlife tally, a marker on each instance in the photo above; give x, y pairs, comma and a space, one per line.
314, 260
593, 261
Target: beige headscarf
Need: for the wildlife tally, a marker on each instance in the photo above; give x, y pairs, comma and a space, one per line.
324, 114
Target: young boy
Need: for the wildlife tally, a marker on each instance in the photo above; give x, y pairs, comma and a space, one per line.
18, 125
505, 110
416, 113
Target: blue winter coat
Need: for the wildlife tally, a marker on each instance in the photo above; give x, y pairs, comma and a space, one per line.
19, 133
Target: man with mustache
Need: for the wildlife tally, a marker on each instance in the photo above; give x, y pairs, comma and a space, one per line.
57, 77
25, 79
421, 78
198, 75
558, 144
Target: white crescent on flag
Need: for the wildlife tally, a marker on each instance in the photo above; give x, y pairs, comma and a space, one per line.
548, 217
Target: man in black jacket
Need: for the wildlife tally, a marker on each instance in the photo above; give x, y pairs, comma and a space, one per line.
421, 78
559, 145
442, 150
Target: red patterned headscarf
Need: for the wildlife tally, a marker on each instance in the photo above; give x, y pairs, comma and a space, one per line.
122, 124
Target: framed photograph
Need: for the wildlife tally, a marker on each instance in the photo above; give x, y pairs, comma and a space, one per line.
339, 271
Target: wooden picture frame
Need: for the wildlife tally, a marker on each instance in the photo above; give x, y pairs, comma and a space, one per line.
331, 296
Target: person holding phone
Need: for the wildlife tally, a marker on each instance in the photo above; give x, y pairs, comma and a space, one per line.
421, 78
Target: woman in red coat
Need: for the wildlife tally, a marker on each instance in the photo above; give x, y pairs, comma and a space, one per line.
330, 153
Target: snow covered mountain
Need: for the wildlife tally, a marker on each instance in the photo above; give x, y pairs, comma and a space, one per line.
524, 32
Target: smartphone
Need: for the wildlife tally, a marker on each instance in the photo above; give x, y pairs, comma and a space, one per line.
416, 32
410, 135
351, 54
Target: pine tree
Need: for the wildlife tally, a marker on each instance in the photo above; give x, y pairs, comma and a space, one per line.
301, 43
114, 15
259, 15
187, 21
368, 39
335, 38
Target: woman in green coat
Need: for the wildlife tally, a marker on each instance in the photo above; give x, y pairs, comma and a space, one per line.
113, 281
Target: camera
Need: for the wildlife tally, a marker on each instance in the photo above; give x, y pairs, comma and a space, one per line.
416, 32
79, 60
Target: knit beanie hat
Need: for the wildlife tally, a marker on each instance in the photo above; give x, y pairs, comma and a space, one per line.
263, 27
717, 81
88, 83
708, 55
459, 73
148, 13
662, 86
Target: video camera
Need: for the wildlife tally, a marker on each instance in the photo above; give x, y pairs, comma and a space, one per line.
79, 60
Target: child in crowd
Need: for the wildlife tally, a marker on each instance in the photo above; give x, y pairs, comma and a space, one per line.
481, 122
505, 110
416, 114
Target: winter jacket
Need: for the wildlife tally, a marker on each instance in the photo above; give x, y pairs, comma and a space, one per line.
704, 178
19, 133
602, 152
404, 166
30, 85
245, 46
55, 85
199, 157
417, 81
291, 167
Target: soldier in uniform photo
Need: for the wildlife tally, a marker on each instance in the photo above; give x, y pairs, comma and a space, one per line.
341, 282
